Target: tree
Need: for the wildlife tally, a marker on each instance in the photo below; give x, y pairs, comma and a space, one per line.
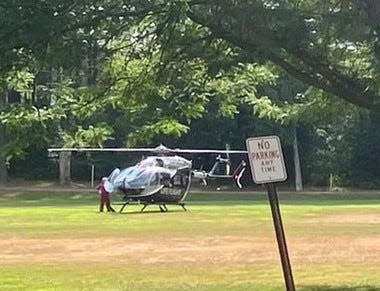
332, 46
180, 56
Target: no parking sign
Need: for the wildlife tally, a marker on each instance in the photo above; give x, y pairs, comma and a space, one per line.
267, 166
266, 159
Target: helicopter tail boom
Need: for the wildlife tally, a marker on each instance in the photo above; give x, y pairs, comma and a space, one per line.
236, 176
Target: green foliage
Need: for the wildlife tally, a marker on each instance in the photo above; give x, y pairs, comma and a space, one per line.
329, 140
146, 103
93, 136
129, 73
26, 127
239, 85
31, 125
20, 81
330, 45
264, 108
163, 127
25, 124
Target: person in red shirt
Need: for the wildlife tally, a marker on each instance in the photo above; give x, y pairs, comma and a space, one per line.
104, 196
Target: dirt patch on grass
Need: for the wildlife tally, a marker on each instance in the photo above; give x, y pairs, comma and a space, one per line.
355, 217
203, 250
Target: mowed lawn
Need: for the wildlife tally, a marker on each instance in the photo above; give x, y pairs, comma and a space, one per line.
225, 241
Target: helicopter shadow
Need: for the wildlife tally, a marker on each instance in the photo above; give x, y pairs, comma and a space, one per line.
135, 212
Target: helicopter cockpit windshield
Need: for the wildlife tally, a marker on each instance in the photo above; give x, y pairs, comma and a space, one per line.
153, 170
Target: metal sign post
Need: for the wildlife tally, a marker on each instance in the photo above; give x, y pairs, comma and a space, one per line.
280, 235
267, 167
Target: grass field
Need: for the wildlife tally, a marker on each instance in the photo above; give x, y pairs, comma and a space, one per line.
225, 241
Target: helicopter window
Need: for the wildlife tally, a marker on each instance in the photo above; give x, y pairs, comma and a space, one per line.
181, 180
177, 180
155, 180
160, 162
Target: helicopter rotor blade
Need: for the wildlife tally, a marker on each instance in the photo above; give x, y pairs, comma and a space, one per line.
101, 150
207, 151
161, 149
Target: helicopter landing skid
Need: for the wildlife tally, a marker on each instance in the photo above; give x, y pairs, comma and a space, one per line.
162, 206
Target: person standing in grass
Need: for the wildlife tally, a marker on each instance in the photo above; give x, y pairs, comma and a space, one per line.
104, 196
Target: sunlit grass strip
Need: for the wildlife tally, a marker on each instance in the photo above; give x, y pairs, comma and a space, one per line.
251, 219
111, 276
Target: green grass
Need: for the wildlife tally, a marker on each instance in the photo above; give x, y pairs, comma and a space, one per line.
180, 277
75, 216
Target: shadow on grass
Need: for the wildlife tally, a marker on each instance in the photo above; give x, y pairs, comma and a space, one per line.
338, 288
147, 212
25, 199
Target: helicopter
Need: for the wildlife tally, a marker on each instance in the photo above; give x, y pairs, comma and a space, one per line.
163, 177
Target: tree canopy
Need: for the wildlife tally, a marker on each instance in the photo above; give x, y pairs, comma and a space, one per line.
331, 44
114, 72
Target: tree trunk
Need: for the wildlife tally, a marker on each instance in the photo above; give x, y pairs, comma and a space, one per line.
3, 165
297, 163
65, 168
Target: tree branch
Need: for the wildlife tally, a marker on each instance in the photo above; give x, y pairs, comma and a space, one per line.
297, 61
